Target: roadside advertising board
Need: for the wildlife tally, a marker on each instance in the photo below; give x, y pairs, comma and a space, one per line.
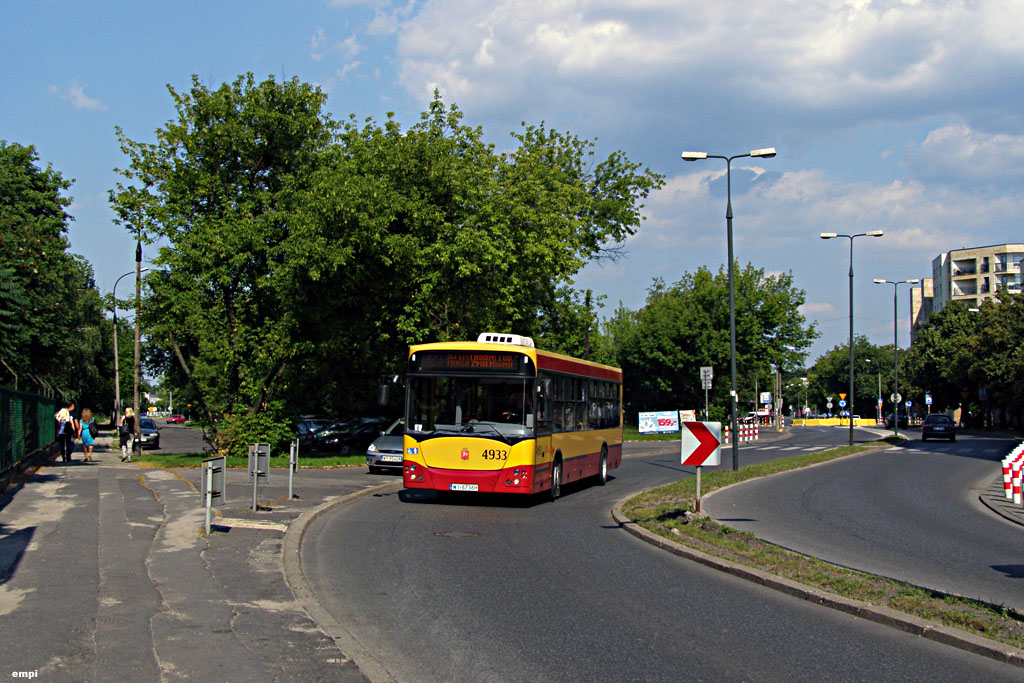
659, 422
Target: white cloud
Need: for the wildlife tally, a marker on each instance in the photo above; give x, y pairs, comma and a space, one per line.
817, 309
75, 94
956, 151
320, 46
826, 62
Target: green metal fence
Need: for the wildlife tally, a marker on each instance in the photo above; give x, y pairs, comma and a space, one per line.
26, 424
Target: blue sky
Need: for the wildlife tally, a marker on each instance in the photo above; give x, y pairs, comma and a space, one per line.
902, 116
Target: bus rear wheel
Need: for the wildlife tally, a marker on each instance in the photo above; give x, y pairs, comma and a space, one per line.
556, 480
602, 469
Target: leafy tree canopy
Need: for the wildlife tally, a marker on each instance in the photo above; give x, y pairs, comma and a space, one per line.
685, 326
50, 314
300, 251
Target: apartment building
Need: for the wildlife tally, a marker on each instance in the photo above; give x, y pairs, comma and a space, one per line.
969, 275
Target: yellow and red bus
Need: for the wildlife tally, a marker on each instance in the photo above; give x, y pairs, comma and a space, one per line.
499, 415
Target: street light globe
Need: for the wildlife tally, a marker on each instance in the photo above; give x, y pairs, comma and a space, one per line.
828, 235
694, 156
874, 233
766, 153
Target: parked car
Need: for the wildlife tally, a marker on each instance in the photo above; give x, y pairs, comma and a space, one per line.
307, 426
351, 436
938, 426
748, 419
176, 419
149, 433
904, 421
385, 453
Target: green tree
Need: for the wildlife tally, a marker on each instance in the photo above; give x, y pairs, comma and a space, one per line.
685, 326
224, 187
999, 357
435, 236
942, 359
830, 376
303, 257
49, 309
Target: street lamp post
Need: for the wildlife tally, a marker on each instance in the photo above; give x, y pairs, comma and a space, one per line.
765, 153
137, 443
832, 235
117, 378
896, 354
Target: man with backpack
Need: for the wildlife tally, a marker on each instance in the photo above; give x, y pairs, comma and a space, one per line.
68, 429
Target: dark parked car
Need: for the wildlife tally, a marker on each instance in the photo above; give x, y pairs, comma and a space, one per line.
350, 436
903, 421
385, 453
307, 426
938, 426
149, 433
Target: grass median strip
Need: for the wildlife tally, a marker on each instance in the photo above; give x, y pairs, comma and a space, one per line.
669, 511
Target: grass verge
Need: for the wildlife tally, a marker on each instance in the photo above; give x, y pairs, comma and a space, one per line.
175, 460
669, 511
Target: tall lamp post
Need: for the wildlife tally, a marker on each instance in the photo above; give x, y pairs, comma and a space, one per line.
137, 444
765, 153
896, 354
829, 236
117, 379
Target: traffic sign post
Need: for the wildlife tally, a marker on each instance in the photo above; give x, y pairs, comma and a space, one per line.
706, 374
293, 464
259, 469
700, 443
213, 485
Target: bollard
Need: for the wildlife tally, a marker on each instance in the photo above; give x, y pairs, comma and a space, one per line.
1007, 483
1016, 482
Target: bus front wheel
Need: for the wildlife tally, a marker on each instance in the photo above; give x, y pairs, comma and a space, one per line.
556, 479
602, 471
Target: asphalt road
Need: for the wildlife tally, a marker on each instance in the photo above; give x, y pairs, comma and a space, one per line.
908, 512
490, 589
177, 438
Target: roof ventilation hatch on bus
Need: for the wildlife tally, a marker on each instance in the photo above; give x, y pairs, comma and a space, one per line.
497, 338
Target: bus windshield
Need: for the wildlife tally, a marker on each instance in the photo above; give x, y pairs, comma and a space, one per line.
488, 407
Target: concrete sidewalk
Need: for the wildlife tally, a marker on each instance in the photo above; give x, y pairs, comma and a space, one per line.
106, 575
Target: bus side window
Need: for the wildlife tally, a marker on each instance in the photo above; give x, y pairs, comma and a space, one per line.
594, 415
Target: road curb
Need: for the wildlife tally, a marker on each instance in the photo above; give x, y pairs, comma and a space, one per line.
295, 579
880, 615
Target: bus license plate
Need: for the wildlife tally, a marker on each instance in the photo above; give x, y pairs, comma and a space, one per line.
464, 487
391, 458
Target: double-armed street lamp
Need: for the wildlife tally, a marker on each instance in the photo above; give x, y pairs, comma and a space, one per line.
765, 153
833, 235
117, 379
896, 354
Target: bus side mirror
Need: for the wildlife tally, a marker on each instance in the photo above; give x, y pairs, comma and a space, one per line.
384, 390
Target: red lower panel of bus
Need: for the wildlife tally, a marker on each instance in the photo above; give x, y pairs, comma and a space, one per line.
509, 480
521, 479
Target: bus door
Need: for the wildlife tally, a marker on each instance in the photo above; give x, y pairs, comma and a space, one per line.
542, 417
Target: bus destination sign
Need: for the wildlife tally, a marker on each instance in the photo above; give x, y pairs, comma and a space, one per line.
470, 362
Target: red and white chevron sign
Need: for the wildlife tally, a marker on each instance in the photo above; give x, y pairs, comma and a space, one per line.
700, 443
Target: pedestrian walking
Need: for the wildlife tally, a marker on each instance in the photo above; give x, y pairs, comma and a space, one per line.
88, 433
126, 434
66, 430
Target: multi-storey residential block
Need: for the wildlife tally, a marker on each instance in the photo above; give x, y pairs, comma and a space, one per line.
970, 275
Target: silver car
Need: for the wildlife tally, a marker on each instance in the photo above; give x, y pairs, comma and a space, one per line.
385, 453
149, 433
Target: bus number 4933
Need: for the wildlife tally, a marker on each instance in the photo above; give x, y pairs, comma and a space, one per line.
495, 454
